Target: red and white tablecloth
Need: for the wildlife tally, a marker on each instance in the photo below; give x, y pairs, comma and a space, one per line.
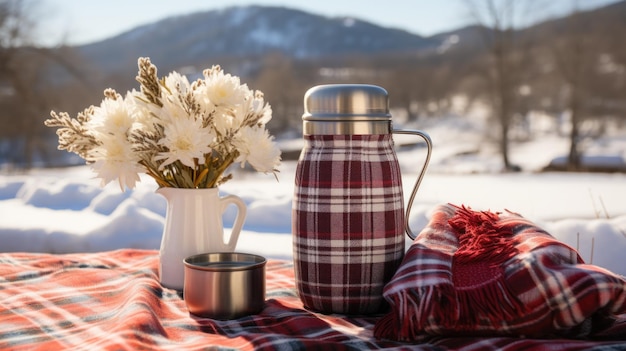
113, 300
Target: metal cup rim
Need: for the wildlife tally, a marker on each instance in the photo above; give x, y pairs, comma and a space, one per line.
203, 261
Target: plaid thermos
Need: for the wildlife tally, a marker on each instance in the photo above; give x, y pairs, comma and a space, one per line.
348, 208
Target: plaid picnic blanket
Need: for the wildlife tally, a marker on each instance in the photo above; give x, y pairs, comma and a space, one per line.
113, 301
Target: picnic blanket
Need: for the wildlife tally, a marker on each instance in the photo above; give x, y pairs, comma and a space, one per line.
113, 300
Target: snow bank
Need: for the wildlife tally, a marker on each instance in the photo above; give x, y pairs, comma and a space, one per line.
66, 210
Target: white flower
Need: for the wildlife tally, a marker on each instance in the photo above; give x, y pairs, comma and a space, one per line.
113, 116
223, 121
185, 140
142, 112
260, 108
176, 84
241, 113
256, 147
253, 111
171, 112
222, 89
115, 159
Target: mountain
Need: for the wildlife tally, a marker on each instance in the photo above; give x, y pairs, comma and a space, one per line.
250, 31
591, 22
241, 36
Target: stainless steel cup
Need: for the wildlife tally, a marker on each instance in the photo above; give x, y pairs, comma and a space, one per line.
224, 285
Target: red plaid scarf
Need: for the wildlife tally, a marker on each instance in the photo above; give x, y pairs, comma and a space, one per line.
484, 273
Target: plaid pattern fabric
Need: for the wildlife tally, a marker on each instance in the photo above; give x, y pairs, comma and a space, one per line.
537, 287
348, 222
113, 301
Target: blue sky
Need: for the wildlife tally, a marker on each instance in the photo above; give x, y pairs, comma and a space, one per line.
83, 21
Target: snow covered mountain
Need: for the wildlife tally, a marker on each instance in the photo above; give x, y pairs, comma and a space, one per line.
250, 31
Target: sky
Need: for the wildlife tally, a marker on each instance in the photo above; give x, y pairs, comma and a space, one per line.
84, 21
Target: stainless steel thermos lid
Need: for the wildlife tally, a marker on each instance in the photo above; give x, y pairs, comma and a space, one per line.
346, 109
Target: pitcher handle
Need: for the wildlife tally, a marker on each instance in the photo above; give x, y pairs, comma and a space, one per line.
241, 216
429, 145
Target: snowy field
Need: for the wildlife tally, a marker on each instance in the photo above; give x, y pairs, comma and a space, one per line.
66, 210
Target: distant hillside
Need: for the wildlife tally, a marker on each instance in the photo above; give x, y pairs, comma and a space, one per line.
250, 31
247, 33
591, 22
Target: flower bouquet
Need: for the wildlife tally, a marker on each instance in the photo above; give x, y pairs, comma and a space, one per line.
183, 134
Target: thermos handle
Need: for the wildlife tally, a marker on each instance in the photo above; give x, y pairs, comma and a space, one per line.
429, 145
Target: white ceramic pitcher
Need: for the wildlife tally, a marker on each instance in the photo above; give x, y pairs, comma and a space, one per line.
193, 225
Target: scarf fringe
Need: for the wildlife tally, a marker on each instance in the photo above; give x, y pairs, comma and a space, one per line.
491, 303
478, 268
481, 237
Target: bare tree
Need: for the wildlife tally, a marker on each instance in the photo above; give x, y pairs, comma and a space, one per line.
505, 67
613, 64
573, 56
587, 56
12, 37
279, 82
27, 84
407, 85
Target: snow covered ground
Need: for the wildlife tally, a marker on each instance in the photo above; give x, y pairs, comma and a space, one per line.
66, 210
